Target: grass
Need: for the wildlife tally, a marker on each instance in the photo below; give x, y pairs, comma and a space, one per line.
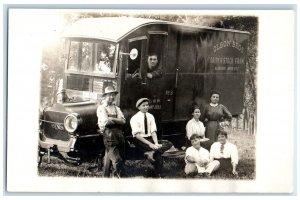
173, 167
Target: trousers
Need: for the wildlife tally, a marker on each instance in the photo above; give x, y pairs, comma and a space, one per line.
158, 163
191, 168
225, 164
114, 143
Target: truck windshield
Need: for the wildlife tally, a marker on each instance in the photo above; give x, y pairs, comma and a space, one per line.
91, 56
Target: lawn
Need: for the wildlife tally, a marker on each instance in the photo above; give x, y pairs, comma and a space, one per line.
173, 167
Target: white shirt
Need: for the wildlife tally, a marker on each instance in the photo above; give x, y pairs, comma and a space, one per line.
137, 124
230, 151
202, 154
104, 110
194, 127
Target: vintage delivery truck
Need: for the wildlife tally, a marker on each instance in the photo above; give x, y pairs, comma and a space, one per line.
113, 51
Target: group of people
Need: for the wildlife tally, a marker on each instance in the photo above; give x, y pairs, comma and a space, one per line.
222, 156
209, 149
111, 118
143, 126
199, 161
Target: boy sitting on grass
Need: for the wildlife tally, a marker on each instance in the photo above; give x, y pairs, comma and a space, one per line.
197, 159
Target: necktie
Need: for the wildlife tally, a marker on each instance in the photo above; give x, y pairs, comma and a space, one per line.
145, 124
222, 148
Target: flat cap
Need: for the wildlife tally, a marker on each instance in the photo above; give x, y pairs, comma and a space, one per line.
140, 101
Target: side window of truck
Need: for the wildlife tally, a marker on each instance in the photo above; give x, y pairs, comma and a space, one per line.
86, 56
104, 59
134, 67
80, 58
73, 57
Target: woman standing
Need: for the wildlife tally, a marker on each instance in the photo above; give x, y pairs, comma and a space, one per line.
215, 116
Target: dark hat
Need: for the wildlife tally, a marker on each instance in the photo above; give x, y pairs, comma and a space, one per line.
109, 89
140, 101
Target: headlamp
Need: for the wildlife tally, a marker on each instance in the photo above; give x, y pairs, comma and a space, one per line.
71, 122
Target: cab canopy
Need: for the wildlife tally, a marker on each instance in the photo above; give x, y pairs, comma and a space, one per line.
112, 29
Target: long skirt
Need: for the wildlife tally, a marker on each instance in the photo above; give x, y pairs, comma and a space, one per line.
211, 130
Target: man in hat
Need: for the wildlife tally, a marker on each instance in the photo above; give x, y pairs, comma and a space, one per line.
144, 131
197, 159
110, 120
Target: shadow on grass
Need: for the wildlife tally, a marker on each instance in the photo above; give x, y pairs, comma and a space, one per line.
173, 169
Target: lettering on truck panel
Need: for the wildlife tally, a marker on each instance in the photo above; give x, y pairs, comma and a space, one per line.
227, 60
228, 43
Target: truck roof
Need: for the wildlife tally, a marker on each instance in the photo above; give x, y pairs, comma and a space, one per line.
115, 29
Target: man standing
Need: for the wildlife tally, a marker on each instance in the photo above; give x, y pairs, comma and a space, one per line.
110, 120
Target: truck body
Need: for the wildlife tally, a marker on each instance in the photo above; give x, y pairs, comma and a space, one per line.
194, 61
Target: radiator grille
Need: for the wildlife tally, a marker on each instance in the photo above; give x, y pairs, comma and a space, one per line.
54, 126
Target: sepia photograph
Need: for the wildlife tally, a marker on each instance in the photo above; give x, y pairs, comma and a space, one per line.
146, 97
157, 96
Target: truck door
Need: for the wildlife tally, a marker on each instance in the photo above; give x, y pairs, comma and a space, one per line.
133, 83
137, 83
154, 86
186, 64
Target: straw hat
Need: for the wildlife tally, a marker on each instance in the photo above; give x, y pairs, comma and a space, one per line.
108, 90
